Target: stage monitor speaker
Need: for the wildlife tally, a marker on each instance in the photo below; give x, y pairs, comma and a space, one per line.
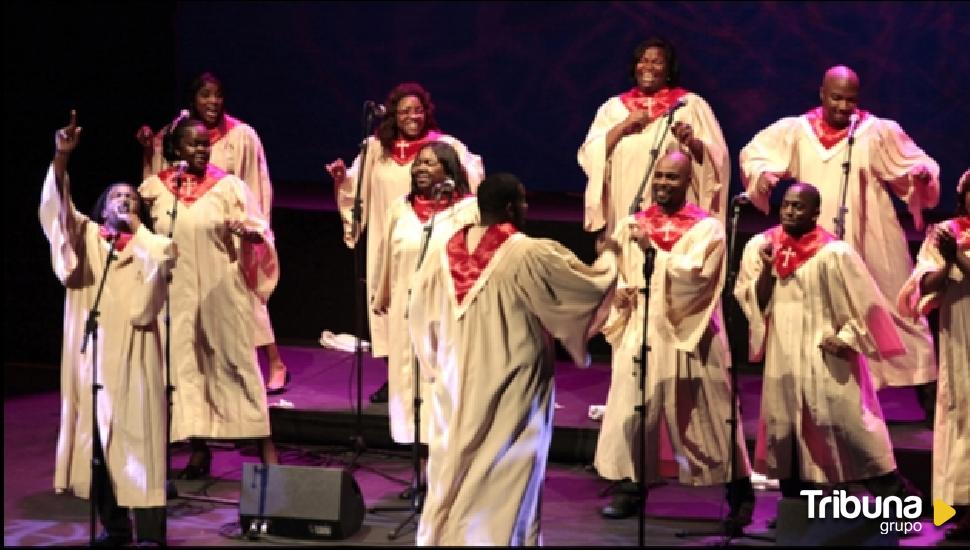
796, 529
299, 502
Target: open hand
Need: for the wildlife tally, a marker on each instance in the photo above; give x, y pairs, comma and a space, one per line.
337, 170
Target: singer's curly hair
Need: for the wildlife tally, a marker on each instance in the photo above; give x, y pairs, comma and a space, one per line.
670, 56
388, 131
453, 168
174, 135
97, 213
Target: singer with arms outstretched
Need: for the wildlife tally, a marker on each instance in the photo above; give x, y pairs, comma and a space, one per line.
617, 150
812, 147
129, 439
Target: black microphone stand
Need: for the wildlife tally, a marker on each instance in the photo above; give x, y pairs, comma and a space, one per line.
654, 153
418, 487
839, 219
641, 409
171, 490
734, 421
91, 331
357, 443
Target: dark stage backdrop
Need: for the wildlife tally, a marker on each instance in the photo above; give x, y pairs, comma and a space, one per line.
518, 82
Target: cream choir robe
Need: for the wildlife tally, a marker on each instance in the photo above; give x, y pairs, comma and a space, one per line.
492, 360
882, 157
687, 389
239, 152
219, 391
819, 405
951, 434
613, 181
131, 405
384, 180
396, 264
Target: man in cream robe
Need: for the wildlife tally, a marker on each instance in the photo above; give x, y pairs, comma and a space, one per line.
616, 152
818, 318
131, 404
942, 279
483, 316
812, 148
687, 392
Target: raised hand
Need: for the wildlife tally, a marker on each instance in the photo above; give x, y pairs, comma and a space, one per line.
337, 170
145, 136
66, 139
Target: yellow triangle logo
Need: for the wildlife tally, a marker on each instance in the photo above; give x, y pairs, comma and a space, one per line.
942, 512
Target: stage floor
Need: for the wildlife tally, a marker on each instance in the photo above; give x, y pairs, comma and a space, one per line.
35, 516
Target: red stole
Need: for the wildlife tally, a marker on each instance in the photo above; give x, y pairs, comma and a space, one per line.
827, 135
466, 267
192, 188
403, 151
790, 253
960, 227
424, 208
121, 239
666, 230
656, 103
223, 128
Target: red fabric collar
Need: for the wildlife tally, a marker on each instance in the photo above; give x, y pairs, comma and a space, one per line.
223, 128
119, 240
656, 103
466, 267
827, 135
425, 208
192, 189
403, 151
791, 253
666, 230
960, 227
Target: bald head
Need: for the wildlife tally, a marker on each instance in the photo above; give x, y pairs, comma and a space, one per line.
839, 95
671, 178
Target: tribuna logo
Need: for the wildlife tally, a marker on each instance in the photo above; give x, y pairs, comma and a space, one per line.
899, 515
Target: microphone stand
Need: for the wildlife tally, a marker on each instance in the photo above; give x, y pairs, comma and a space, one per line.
357, 443
91, 331
418, 487
641, 409
171, 490
734, 421
840, 216
654, 152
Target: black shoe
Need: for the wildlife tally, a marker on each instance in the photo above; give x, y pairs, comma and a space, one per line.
622, 506
380, 396
112, 539
197, 468
740, 497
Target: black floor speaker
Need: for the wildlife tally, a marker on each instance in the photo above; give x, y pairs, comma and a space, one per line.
299, 502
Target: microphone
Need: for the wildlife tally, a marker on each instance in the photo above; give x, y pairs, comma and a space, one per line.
180, 168
377, 109
853, 122
741, 198
446, 186
673, 108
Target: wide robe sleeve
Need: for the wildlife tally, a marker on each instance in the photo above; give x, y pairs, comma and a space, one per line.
712, 176
770, 150
259, 262
746, 293
63, 226
346, 191
592, 159
893, 157
254, 171
564, 293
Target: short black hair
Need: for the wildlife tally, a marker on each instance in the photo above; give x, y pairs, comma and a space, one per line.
670, 56
497, 192
176, 131
809, 190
